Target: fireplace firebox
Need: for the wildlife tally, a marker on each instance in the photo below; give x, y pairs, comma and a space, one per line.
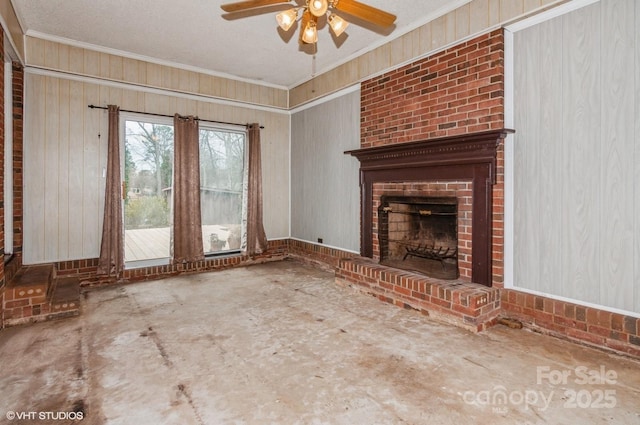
418, 233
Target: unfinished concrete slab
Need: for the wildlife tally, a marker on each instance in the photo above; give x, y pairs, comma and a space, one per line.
281, 343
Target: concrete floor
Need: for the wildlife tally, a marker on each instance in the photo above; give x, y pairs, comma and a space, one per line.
282, 344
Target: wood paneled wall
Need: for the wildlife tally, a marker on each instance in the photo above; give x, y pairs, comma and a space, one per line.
325, 193
12, 28
76, 60
65, 155
577, 156
473, 18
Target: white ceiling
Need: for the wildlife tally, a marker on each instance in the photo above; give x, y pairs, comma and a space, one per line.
194, 34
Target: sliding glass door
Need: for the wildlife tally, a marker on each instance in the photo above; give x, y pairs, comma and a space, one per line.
148, 182
148, 189
222, 177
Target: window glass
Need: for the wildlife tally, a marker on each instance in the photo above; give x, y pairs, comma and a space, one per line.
222, 172
148, 182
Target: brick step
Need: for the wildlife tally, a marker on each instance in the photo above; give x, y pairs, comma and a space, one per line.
468, 305
28, 293
65, 300
33, 295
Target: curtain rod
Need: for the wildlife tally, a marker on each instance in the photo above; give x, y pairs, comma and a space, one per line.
171, 116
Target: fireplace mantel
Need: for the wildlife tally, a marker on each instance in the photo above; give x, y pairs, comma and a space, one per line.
465, 157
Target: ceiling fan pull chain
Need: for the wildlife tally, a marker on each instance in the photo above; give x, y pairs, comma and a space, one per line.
313, 64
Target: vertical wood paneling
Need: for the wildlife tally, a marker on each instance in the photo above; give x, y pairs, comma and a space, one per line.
531, 4
93, 135
425, 41
479, 10
275, 171
51, 168
154, 75
78, 111
63, 58
35, 51
616, 241
64, 105
104, 66
494, 12
91, 62
551, 160
76, 60
65, 155
51, 54
324, 182
636, 159
34, 165
463, 21
438, 32
577, 148
581, 148
509, 9
526, 154
130, 70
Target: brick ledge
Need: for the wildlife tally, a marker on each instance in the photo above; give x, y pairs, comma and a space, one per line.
468, 305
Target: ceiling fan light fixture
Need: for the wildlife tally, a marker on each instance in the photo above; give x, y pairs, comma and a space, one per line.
310, 33
313, 12
318, 7
337, 24
286, 19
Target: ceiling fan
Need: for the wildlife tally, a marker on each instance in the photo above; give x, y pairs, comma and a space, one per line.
311, 10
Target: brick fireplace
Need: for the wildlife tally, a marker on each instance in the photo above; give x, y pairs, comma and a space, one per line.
457, 172
462, 168
434, 129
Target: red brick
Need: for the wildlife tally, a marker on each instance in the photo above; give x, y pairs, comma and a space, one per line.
586, 336
16, 304
459, 72
598, 330
617, 322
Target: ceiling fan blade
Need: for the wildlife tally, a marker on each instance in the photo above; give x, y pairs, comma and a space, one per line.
366, 12
249, 4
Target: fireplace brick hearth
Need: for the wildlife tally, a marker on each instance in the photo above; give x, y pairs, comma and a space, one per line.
464, 304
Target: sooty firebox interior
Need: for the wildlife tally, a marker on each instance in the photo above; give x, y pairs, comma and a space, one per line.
419, 234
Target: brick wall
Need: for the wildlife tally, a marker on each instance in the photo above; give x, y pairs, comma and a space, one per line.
2, 161
587, 325
317, 254
9, 269
457, 91
18, 111
86, 270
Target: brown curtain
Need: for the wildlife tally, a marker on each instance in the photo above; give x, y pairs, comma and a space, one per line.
256, 238
111, 259
187, 222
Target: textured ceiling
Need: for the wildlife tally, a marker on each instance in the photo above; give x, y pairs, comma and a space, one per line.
196, 35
